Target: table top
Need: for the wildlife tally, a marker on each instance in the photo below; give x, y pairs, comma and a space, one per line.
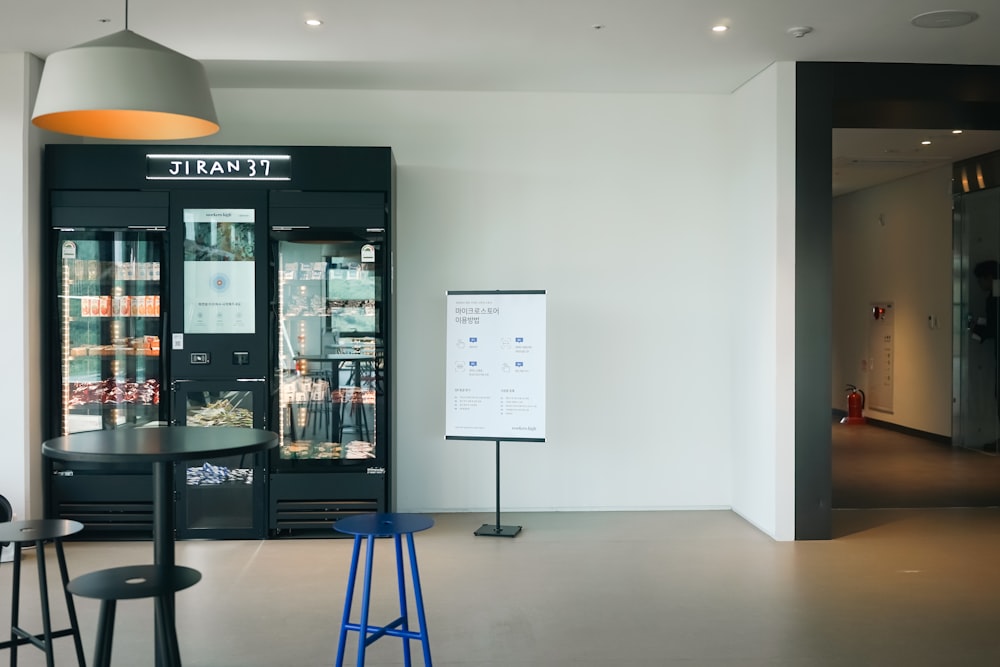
164, 443
383, 524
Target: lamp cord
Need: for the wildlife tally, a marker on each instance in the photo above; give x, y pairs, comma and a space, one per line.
126, 14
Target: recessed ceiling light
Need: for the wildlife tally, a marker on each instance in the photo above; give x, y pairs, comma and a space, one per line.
313, 22
956, 132
926, 142
720, 28
944, 18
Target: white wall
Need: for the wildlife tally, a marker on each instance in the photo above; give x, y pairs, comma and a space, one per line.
605, 201
760, 180
20, 257
893, 242
622, 208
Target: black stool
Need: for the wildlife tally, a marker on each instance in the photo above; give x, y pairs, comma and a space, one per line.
39, 532
134, 582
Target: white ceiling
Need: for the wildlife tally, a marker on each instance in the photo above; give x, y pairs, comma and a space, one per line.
642, 46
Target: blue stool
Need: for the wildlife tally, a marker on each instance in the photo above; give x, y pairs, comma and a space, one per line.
370, 526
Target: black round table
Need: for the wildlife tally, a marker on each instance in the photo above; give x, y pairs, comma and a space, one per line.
162, 447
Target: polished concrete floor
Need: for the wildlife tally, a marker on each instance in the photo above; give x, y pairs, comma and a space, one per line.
629, 589
880, 468
901, 583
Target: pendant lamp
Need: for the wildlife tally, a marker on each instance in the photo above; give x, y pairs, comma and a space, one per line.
125, 86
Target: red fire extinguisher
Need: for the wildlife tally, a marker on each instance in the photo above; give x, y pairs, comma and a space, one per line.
855, 406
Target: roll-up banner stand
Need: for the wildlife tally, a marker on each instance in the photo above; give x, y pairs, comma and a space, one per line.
495, 380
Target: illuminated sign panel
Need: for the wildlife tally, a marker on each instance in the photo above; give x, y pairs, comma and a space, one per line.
165, 167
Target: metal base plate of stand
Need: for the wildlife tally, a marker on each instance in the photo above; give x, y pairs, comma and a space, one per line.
493, 530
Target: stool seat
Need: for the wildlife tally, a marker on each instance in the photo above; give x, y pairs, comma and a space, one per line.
33, 530
368, 527
38, 532
133, 582
384, 524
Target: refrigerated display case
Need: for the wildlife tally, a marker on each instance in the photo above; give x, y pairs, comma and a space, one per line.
220, 497
110, 345
108, 361
331, 404
331, 353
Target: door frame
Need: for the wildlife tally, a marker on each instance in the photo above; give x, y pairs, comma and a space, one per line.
852, 95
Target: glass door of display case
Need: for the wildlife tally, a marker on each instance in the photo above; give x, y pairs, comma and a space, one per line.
331, 355
105, 367
109, 329
221, 497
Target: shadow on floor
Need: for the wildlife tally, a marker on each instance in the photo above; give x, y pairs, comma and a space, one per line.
877, 468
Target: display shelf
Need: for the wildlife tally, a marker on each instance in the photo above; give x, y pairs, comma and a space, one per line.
113, 390
104, 351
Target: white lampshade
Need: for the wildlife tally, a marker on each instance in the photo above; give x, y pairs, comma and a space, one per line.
125, 86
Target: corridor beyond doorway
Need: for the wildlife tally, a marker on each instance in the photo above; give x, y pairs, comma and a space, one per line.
880, 468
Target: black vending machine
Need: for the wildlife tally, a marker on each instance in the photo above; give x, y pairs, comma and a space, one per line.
222, 286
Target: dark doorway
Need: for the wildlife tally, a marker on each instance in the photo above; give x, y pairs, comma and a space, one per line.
866, 95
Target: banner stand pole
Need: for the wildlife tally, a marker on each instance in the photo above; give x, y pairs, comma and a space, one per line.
495, 529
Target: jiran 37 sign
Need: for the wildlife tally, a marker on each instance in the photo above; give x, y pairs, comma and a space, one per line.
189, 167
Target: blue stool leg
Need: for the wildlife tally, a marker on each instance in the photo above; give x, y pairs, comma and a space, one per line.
363, 642
43, 588
351, 578
418, 594
401, 585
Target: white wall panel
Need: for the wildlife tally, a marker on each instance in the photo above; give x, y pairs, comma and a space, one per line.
611, 203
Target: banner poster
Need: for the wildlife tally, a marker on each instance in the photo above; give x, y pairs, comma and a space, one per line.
495, 365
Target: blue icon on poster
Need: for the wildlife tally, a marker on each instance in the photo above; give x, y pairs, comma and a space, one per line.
473, 363
518, 364
473, 339
519, 339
